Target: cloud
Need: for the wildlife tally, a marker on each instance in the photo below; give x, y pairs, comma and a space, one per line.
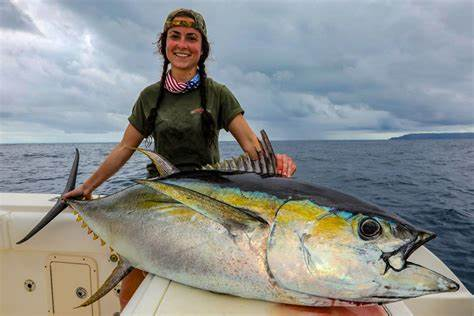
304, 69
62, 80
11, 18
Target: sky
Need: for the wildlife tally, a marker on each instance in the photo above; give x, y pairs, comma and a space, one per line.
70, 71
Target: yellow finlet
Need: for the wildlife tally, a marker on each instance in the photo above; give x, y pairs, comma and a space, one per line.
79, 218
75, 212
89, 231
95, 236
84, 225
102, 242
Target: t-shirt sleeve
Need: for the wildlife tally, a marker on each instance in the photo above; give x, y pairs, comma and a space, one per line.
139, 116
230, 108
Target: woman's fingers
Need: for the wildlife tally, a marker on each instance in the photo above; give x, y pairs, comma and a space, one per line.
289, 166
71, 194
285, 165
78, 192
88, 196
279, 164
292, 168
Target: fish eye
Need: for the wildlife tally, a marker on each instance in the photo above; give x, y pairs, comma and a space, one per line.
369, 228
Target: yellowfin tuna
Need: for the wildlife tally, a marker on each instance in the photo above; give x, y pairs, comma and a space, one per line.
238, 229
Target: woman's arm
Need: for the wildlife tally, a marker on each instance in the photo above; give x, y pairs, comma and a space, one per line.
247, 139
244, 135
114, 161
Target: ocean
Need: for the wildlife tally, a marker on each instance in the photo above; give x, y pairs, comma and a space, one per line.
430, 183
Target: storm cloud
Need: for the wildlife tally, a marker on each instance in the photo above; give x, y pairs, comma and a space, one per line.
72, 70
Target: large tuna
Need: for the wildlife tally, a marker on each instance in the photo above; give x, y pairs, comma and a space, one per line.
241, 230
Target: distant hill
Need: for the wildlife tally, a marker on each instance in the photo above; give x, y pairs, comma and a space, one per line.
435, 136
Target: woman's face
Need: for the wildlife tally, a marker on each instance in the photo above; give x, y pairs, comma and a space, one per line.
183, 45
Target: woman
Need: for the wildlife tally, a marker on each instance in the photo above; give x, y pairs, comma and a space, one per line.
183, 112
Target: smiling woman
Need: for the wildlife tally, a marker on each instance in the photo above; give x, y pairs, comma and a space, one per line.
183, 113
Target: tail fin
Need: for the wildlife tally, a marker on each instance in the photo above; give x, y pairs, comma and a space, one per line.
60, 204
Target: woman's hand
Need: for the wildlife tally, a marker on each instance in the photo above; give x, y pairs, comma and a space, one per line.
81, 191
285, 165
247, 139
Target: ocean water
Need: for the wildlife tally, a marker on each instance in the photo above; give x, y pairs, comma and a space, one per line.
430, 183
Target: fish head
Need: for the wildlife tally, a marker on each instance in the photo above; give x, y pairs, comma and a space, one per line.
349, 255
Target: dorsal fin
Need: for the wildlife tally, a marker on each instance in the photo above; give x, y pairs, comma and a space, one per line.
164, 167
270, 157
265, 165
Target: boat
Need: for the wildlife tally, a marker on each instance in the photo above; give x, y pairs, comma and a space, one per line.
59, 268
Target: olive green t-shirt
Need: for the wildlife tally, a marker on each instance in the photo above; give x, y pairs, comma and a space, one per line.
177, 132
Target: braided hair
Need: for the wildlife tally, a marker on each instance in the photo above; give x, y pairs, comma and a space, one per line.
208, 126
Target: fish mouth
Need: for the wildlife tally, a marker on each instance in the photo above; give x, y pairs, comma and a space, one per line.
404, 279
397, 260
413, 281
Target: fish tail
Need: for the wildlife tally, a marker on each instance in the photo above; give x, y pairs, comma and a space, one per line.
60, 204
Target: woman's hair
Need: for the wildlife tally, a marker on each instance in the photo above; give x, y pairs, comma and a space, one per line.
208, 126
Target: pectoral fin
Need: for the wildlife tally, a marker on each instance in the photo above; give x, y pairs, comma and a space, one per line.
123, 268
229, 216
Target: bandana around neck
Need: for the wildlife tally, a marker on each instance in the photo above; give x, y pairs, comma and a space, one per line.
173, 86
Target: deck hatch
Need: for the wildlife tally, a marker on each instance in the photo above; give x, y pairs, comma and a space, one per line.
67, 274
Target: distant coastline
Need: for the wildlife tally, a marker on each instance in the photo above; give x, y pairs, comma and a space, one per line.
435, 136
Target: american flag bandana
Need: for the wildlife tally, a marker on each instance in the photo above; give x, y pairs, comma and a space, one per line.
173, 86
